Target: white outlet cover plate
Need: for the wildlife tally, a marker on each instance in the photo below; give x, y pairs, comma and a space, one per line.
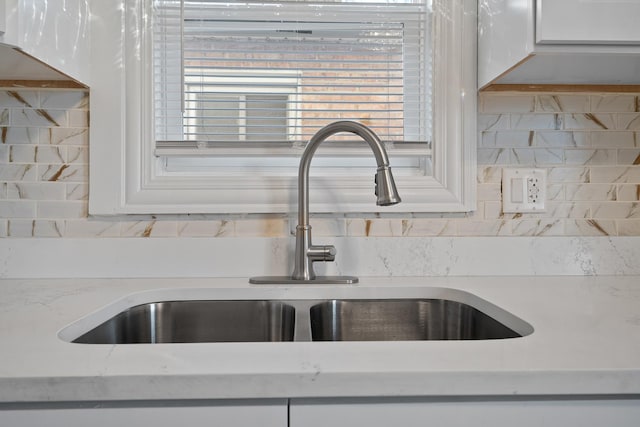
515, 190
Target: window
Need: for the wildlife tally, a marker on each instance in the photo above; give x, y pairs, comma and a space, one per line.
212, 102
223, 106
368, 62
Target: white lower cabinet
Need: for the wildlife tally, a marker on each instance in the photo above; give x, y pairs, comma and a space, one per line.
336, 412
242, 413
522, 412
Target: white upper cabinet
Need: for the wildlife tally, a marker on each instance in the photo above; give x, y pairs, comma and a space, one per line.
559, 42
44, 40
3, 17
588, 22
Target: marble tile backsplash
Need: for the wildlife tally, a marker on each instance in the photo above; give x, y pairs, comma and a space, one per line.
589, 143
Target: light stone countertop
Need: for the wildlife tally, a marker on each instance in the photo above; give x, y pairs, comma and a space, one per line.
586, 341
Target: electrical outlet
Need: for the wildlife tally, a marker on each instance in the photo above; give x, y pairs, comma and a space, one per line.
533, 190
524, 190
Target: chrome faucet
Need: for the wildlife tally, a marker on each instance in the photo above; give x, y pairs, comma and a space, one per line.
307, 253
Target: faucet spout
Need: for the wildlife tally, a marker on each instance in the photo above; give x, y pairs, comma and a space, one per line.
385, 190
307, 253
385, 186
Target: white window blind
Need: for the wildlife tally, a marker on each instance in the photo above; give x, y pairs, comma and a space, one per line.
274, 72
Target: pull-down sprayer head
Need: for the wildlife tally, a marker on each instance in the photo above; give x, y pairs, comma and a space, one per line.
386, 187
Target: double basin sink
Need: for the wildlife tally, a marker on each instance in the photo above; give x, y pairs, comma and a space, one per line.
388, 319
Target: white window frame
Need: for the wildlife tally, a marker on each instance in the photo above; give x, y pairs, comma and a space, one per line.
126, 177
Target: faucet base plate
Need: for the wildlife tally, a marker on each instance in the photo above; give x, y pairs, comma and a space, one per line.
319, 280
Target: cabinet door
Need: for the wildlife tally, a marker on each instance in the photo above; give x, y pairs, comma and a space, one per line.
381, 412
3, 17
588, 22
259, 413
55, 32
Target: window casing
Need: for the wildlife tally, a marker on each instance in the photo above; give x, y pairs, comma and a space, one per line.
184, 173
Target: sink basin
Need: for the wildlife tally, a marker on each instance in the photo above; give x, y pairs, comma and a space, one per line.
406, 319
196, 321
387, 314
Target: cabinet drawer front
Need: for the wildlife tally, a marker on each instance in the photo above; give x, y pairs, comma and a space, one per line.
464, 412
588, 22
236, 413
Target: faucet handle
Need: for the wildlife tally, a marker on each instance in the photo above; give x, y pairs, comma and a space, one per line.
321, 253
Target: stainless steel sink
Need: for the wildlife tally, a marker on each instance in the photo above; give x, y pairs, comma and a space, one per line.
406, 319
196, 321
434, 314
